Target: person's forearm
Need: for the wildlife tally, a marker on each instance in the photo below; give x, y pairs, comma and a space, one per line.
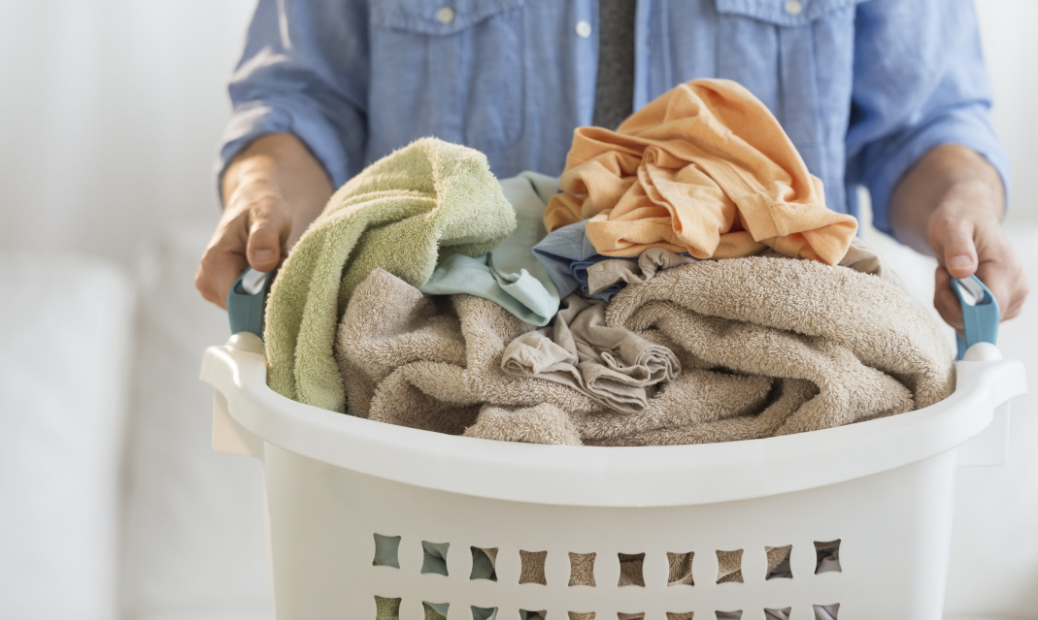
949, 174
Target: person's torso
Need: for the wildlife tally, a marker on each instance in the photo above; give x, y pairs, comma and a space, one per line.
514, 78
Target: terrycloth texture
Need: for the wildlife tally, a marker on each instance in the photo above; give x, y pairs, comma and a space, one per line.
509, 274
831, 346
609, 274
614, 274
613, 365
705, 169
430, 362
568, 254
421, 204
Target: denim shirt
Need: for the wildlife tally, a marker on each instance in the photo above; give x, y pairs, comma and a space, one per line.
863, 88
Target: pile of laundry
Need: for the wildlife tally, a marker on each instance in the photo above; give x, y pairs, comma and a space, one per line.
682, 282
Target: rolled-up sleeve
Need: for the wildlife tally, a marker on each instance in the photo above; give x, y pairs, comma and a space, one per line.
919, 82
304, 71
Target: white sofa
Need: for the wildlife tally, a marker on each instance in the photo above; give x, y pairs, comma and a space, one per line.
113, 505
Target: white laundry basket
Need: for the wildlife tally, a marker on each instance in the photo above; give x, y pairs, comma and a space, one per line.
883, 489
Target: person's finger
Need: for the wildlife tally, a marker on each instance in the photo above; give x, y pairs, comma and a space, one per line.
1006, 284
221, 265
268, 229
959, 252
945, 300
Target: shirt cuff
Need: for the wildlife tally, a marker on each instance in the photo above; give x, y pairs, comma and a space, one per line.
254, 119
968, 126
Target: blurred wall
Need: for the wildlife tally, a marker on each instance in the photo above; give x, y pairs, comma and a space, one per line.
110, 111
1010, 47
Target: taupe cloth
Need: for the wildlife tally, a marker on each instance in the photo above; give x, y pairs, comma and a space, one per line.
767, 346
604, 274
613, 365
600, 276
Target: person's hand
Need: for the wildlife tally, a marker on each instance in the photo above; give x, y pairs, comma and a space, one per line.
968, 239
272, 191
950, 205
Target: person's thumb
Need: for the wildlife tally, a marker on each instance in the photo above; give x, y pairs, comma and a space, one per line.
960, 252
268, 229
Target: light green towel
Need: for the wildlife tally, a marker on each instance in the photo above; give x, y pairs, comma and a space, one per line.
510, 275
423, 203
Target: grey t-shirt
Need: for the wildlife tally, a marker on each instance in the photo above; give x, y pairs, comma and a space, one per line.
614, 87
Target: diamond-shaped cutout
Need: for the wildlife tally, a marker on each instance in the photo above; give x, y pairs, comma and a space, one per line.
533, 567
778, 562
387, 608
827, 555
631, 569
729, 567
680, 569
387, 550
484, 613
582, 569
435, 611
483, 563
434, 559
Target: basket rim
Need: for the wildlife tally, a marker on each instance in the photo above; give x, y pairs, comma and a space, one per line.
641, 476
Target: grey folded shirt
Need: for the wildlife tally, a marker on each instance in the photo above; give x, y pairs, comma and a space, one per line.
612, 365
609, 273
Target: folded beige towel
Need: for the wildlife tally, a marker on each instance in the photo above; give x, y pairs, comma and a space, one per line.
604, 274
766, 346
431, 363
613, 365
403, 213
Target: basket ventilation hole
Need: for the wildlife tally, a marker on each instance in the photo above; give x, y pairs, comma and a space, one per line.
685, 615
434, 558
729, 567
532, 615
680, 570
483, 564
435, 611
777, 614
729, 615
778, 562
828, 557
827, 612
635, 616
581, 570
631, 569
581, 615
532, 571
386, 548
387, 608
484, 613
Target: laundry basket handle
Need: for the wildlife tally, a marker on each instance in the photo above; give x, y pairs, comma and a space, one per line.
246, 300
980, 313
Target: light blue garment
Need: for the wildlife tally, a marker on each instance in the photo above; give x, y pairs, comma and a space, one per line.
567, 254
509, 275
863, 88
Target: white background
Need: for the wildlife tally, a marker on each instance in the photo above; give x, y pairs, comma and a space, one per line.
110, 112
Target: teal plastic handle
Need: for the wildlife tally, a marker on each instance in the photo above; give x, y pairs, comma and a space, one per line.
246, 300
980, 313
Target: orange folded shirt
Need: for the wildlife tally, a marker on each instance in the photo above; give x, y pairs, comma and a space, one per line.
704, 169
